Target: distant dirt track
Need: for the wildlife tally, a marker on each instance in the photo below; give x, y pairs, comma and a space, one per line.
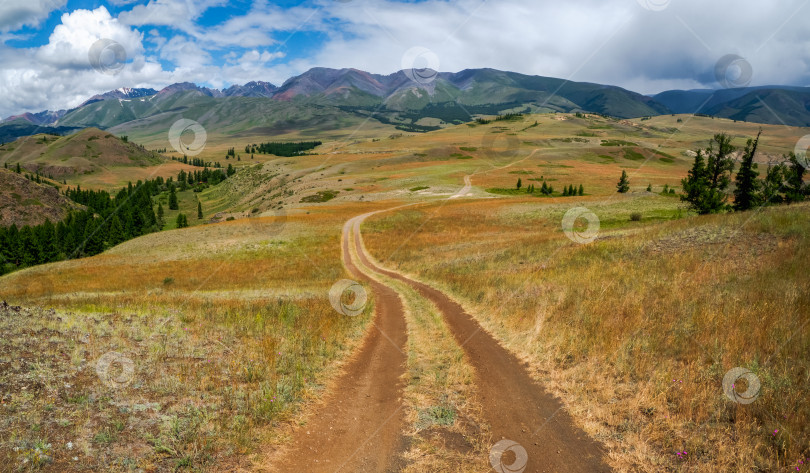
516, 407
358, 428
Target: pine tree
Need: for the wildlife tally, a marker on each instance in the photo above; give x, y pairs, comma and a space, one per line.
544, 188
581, 190
182, 221
772, 184
746, 193
19, 170
199, 210
795, 188
160, 215
624, 183
519, 184
565, 191
705, 185
116, 234
173, 205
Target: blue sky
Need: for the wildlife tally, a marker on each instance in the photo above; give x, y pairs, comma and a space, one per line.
643, 45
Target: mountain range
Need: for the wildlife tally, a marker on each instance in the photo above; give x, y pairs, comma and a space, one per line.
423, 102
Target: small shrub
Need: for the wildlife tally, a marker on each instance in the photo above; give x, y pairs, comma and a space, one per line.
635, 217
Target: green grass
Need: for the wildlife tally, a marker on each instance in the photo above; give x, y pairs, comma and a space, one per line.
615, 142
321, 196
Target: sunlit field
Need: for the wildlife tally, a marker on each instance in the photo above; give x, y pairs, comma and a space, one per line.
228, 329
635, 331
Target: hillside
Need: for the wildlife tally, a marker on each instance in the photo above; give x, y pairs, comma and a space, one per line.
324, 99
775, 105
24, 202
239, 309
85, 152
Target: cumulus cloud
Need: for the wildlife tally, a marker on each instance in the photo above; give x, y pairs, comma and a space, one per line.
69, 45
15, 14
644, 45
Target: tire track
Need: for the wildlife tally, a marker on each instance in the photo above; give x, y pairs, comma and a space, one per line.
515, 405
358, 426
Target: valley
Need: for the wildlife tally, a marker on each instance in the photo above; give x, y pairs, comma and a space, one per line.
471, 292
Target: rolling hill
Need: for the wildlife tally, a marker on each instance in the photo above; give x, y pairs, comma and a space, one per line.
324, 99
773, 105
84, 152
25, 202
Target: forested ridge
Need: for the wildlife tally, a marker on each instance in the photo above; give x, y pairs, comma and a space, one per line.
106, 221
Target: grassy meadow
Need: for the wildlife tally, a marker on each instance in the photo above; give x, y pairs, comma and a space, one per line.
231, 336
635, 331
228, 327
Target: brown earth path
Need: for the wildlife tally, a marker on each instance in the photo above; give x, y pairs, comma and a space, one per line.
358, 427
514, 404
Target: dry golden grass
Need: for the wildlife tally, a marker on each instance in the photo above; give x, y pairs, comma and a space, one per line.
225, 346
636, 331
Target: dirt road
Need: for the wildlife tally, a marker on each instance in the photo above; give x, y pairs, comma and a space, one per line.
515, 405
358, 426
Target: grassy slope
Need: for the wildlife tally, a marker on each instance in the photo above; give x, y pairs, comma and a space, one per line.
241, 281
224, 347
636, 331
24, 202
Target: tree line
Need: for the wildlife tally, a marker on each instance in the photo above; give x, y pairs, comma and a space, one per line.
283, 149
706, 186
105, 222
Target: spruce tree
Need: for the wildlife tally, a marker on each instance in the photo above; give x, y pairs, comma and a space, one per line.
624, 183
199, 210
772, 184
705, 185
173, 205
795, 188
19, 170
116, 234
581, 190
160, 215
519, 184
746, 193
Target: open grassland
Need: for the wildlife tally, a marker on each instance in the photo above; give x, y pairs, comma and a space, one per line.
231, 334
228, 328
636, 330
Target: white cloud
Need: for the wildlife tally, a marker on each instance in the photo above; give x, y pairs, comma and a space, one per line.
70, 43
606, 41
15, 14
